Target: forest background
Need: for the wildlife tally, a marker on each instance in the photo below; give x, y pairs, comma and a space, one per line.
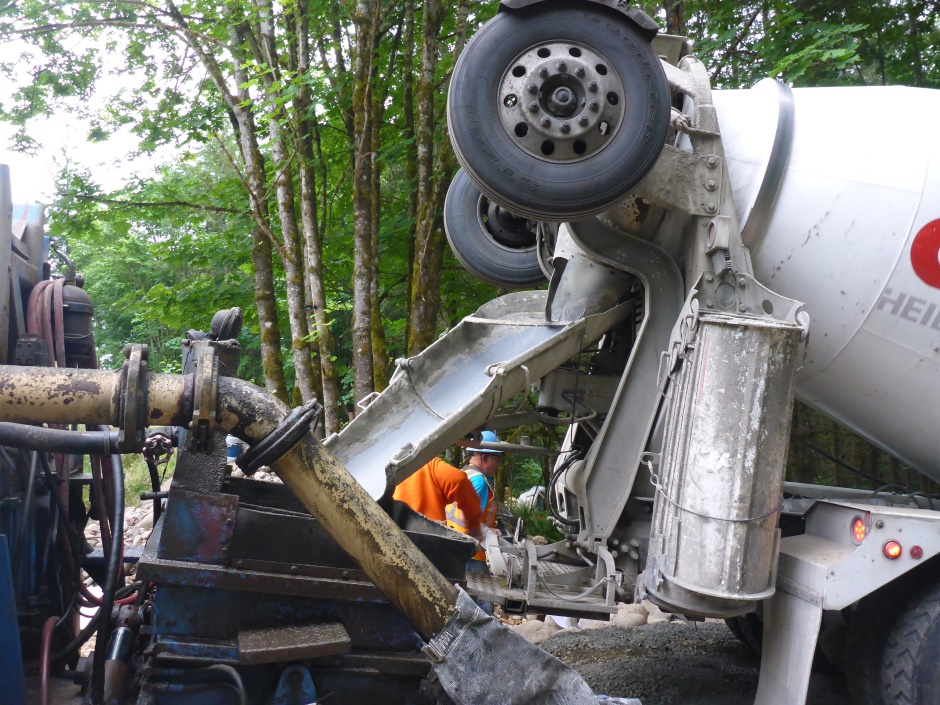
313, 161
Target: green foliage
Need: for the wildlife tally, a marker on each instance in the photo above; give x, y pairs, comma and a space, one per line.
537, 522
155, 271
137, 476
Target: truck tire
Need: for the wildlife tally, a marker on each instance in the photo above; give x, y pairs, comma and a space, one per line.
911, 672
866, 630
749, 630
557, 112
491, 243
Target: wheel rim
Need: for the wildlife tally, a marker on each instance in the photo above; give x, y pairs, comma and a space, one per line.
561, 101
503, 227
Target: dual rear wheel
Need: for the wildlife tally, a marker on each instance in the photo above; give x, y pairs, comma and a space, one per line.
555, 113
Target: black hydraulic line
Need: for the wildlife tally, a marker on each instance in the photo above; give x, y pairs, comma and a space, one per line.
71, 536
54, 440
25, 520
575, 456
183, 678
111, 576
155, 486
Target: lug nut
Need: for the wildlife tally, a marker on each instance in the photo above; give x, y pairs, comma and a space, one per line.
583, 121
592, 86
565, 127
533, 107
532, 88
594, 106
546, 122
562, 67
543, 72
579, 72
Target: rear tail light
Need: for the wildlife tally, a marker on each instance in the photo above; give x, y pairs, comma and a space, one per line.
892, 550
859, 530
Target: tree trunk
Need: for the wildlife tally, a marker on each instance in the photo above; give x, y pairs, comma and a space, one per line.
363, 376
380, 359
243, 123
411, 148
264, 49
271, 361
306, 135
433, 179
675, 16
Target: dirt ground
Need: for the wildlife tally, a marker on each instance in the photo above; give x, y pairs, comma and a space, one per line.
674, 664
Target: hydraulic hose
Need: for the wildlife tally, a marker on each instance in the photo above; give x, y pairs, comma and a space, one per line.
25, 523
111, 575
44, 658
54, 440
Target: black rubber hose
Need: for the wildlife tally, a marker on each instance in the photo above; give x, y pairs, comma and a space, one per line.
155, 486
25, 521
183, 678
75, 540
111, 576
575, 456
54, 440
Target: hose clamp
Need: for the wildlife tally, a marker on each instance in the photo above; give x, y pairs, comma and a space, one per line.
133, 401
277, 443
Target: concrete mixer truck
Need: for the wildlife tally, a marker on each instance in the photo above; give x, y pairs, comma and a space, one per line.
762, 244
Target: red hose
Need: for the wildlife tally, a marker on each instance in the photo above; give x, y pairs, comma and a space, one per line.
46, 649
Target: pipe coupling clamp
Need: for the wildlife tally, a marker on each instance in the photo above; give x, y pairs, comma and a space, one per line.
287, 434
133, 401
205, 396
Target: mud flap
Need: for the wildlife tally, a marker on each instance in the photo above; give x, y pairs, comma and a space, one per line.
791, 627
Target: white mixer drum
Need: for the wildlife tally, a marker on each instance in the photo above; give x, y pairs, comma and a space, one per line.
854, 232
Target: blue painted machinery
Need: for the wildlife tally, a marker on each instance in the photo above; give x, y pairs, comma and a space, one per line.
239, 595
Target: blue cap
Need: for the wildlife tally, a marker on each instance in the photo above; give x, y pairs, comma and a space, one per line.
487, 437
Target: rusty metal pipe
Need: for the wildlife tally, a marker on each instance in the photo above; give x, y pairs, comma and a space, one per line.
404, 575
342, 506
56, 395
345, 510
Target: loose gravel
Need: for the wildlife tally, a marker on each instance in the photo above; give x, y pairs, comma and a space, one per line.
673, 663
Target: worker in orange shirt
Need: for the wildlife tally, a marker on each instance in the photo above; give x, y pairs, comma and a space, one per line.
434, 486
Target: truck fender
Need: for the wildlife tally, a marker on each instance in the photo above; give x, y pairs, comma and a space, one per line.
639, 19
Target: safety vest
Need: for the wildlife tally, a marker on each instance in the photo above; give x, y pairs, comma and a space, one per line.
456, 519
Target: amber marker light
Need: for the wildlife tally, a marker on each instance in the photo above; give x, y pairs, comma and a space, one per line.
859, 530
892, 550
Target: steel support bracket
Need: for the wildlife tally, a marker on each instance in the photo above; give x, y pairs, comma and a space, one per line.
132, 404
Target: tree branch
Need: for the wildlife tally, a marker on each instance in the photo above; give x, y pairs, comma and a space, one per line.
157, 204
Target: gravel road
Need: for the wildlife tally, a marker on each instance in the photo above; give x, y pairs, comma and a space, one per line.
674, 664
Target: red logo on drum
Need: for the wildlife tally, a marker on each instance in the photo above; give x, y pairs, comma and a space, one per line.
925, 254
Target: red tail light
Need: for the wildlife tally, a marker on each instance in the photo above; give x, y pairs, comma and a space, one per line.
892, 550
859, 530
